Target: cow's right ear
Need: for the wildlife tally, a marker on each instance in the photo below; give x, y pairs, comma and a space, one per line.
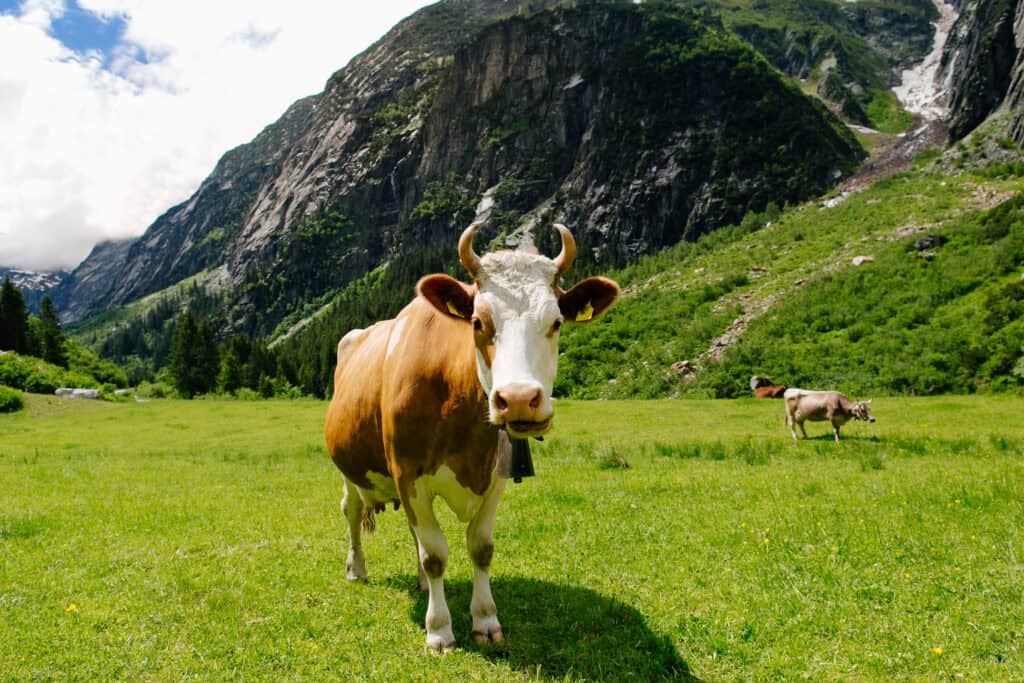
447, 295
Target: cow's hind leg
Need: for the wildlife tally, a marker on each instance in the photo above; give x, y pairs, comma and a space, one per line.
433, 549
479, 539
789, 423
352, 507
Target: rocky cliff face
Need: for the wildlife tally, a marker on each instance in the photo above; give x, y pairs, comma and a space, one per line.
1015, 96
86, 288
983, 64
190, 237
854, 50
637, 125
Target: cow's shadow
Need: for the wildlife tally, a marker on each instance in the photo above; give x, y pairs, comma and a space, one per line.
559, 631
843, 436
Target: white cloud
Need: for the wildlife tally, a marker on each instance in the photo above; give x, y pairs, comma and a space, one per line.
93, 149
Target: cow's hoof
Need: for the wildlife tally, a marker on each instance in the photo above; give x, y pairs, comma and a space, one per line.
438, 645
493, 635
355, 572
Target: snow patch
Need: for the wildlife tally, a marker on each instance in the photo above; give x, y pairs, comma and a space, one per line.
574, 80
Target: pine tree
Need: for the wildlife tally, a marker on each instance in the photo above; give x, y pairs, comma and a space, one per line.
13, 318
229, 379
208, 360
181, 355
52, 340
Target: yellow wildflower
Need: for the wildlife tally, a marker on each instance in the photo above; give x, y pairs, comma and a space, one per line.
71, 608
937, 650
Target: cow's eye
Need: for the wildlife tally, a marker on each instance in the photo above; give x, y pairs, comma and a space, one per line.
477, 324
557, 325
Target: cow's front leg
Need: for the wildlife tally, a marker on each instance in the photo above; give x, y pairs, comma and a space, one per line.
352, 507
421, 578
480, 541
803, 430
835, 430
433, 550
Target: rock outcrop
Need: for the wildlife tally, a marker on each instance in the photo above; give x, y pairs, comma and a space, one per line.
984, 64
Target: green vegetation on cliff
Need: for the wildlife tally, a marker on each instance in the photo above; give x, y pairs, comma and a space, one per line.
939, 309
851, 51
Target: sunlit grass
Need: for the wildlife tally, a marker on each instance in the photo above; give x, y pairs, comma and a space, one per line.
203, 539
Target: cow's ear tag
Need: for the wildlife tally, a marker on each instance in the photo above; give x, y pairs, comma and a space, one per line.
454, 311
585, 314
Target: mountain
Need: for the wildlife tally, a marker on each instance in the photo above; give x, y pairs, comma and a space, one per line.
84, 289
983, 62
638, 125
33, 285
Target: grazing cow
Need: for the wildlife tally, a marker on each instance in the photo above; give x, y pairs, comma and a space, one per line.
424, 406
818, 406
772, 391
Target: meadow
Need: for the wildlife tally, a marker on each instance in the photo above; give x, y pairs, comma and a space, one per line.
173, 540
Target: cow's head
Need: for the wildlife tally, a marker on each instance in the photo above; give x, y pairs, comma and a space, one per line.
516, 309
861, 411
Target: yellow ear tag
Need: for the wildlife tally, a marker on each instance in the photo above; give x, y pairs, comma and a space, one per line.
454, 311
586, 314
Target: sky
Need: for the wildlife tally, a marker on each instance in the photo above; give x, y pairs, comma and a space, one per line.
112, 111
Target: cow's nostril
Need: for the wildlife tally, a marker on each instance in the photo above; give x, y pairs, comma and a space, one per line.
535, 401
500, 402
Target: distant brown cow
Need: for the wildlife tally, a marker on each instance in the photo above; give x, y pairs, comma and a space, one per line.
773, 391
818, 406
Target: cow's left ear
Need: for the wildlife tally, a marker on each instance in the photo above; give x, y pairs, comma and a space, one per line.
447, 295
588, 299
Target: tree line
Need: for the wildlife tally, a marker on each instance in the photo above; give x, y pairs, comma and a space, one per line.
32, 335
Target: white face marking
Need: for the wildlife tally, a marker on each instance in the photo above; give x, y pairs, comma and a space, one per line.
396, 336
519, 289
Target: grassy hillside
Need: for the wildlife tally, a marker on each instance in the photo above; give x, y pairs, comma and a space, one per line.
940, 309
848, 53
173, 539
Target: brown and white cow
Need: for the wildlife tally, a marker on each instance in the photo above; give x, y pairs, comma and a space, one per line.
770, 391
818, 406
424, 405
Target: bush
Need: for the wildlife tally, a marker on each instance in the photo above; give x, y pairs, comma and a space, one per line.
155, 390
11, 400
36, 376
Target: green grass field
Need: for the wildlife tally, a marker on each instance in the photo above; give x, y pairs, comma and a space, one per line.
174, 540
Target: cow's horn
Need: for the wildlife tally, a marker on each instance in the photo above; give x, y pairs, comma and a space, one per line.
564, 260
466, 254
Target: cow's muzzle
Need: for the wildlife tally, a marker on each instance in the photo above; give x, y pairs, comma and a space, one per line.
521, 407
522, 428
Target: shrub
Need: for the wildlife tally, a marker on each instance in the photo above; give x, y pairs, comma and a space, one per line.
11, 400
155, 390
